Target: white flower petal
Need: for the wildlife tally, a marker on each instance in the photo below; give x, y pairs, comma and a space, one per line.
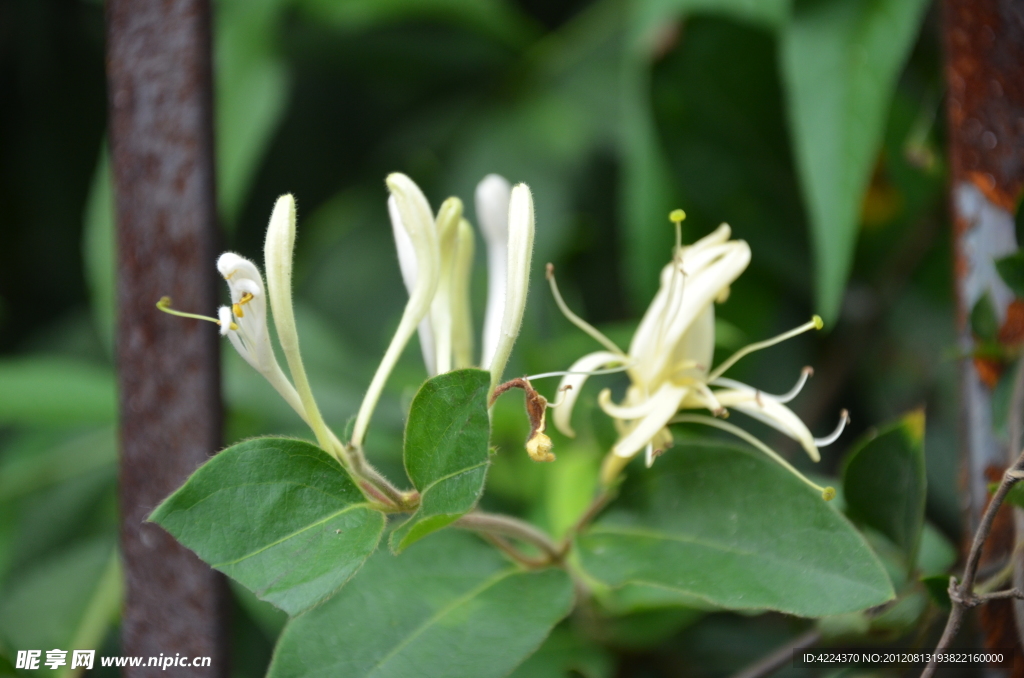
667, 401
572, 384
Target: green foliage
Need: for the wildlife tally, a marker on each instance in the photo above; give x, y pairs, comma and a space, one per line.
448, 607
840, 62
984, 322
54, 390
446, 452
696, 523
280, 516
884, 482
68, 600
1011, 270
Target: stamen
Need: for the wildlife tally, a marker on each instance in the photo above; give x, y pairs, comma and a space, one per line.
563, 373
784, 398
844, 419
575, 319
677, 216
827, 493
165, 305
814, 323
236, 308
561, 396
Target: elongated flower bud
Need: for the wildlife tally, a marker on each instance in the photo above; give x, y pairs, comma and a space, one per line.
278, 251
520, 255
492, 199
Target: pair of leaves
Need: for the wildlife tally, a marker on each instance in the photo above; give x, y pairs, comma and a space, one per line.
284, 519
736, 530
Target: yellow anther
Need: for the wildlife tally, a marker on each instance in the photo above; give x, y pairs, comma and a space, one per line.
818, 322
829, 493
677, 216
236, 308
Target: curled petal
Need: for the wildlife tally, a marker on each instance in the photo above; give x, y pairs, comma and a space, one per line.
572, 384
771, 412
666, 404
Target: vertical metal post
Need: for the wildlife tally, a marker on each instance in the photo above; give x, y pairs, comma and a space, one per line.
159, 78
984, 42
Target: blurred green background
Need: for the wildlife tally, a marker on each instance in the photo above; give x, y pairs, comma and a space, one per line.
813, 128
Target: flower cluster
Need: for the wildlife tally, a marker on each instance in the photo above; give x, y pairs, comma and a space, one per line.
435, 254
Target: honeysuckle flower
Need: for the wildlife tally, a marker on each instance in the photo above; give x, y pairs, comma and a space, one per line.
423, 266
507, 222
669, 361
244, 323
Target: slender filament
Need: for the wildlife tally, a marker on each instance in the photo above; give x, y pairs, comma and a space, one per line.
812, 324
576, 320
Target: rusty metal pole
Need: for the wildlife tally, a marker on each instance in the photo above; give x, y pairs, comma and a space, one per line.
984, 41
161, 135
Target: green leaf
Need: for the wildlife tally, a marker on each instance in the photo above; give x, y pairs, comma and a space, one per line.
884, 482
1011, 270
449, 607
446, 453
736, 529
53, 390
252, 94
567, 655
984, 322
79, 454
68, 600
840, 61
281, 516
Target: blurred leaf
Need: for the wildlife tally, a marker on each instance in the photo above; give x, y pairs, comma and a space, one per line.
902, 617
98, 249
52, 390
937, 586
840, 62
446, 454
496, 18
72, 596
984, 322
251, 90
268, 618
102, 611
569, 487
448, 607
697, 523
566, 655
22, 474
936, 554
647, 181
281, 516
884, 482
1011, 270
644, 630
